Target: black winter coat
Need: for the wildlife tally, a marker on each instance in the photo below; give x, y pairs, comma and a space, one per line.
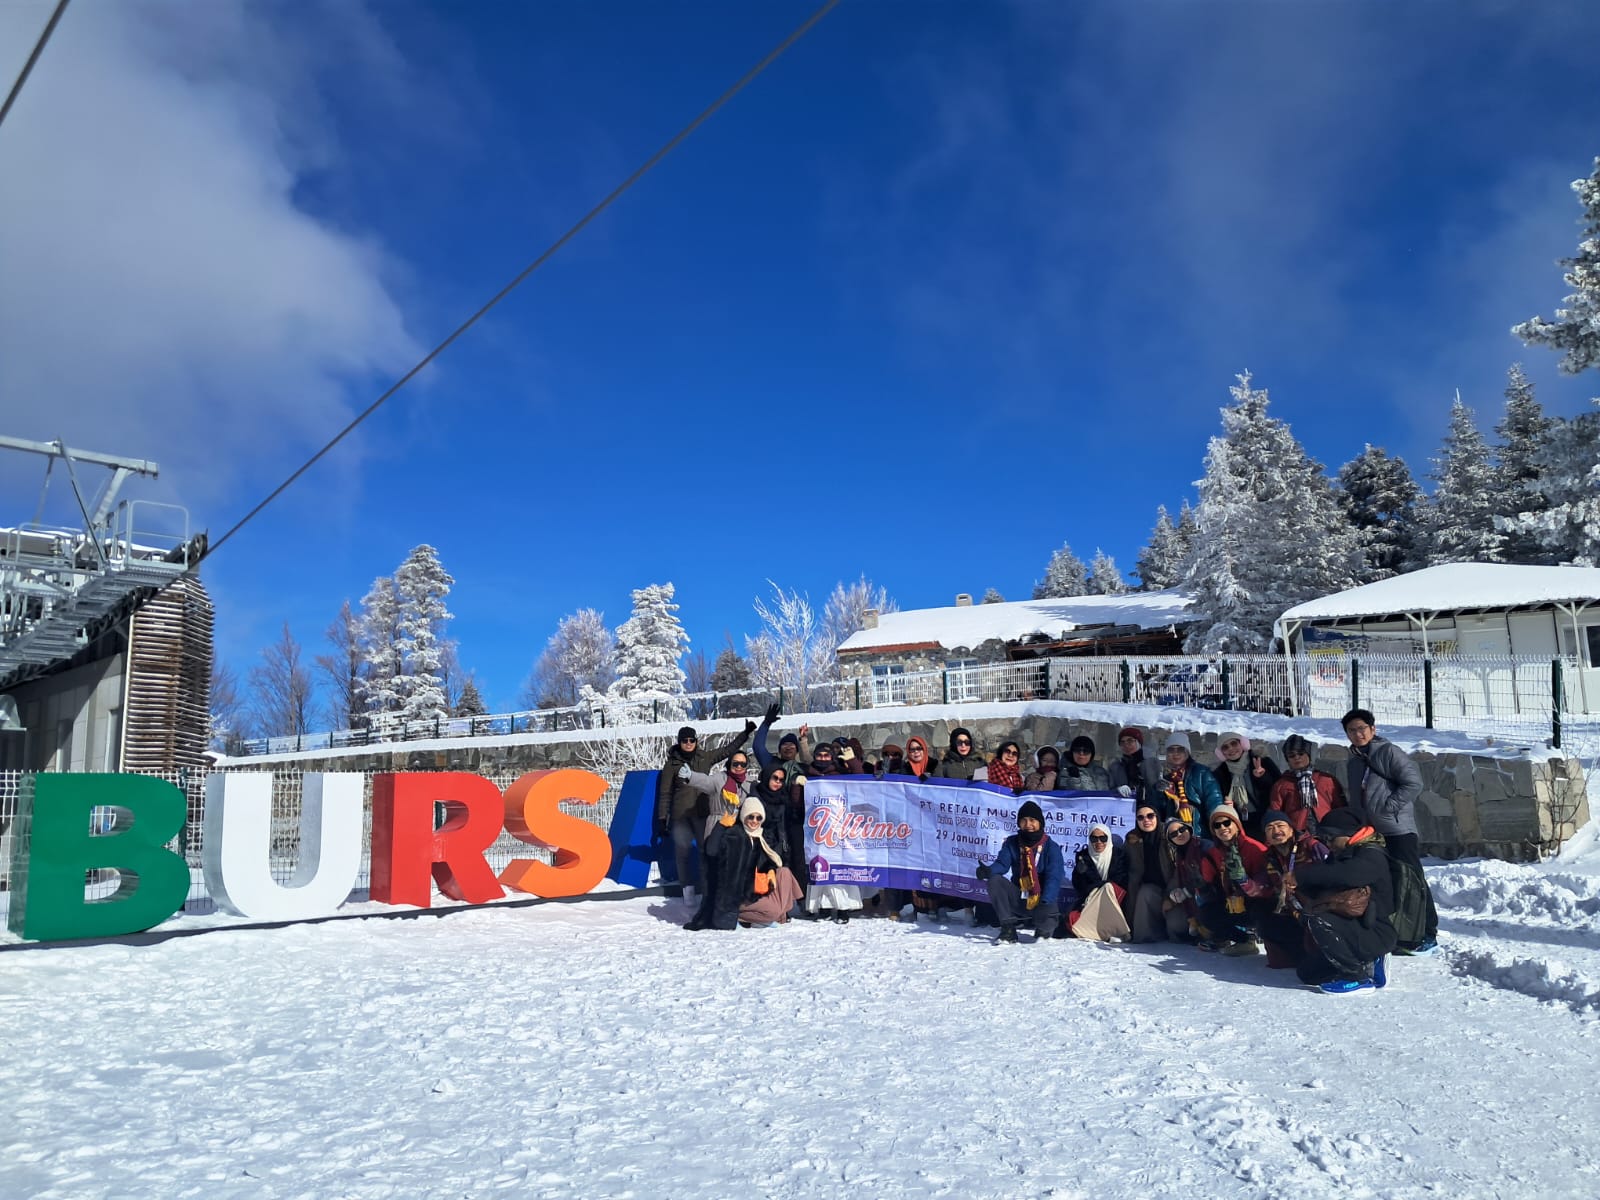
1350, 943
676, 797
1085, 877
1260, 788
732, 856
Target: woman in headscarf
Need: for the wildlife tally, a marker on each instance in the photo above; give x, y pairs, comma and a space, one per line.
1099, 881
917, 762
1185, 863
1149, 876
1004, 770
749, 884
1233, 868
1080, 773
1245, 778
1044, 778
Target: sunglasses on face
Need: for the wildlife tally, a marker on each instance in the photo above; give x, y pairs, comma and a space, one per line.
1008, 754
1147, 816
1098, 837
740, 765
1177, 835
754, 820
962, 742
1222, 823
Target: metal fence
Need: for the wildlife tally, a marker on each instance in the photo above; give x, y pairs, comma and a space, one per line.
1526, 697
284, 850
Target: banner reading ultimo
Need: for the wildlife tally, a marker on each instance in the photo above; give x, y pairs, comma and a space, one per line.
60, 834
930, 837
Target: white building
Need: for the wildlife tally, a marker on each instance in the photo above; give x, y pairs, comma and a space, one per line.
1492, 629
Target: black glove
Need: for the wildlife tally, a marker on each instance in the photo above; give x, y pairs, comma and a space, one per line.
983, 871
749, 727
772, 712
658, 828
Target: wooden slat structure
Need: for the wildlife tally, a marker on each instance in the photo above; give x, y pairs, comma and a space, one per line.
166, 717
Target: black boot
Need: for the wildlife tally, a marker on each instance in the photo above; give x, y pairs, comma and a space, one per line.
1008, 935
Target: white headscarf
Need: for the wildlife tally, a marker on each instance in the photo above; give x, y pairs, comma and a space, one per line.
1101, 858
754, 808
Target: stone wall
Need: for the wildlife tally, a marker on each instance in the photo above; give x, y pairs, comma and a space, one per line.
1518, 809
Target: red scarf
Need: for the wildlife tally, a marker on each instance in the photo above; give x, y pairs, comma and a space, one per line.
1005, 774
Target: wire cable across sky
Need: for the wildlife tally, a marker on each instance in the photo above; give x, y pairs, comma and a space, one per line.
672, 144
27, 67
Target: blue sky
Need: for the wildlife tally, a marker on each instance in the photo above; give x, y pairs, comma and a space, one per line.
950, 284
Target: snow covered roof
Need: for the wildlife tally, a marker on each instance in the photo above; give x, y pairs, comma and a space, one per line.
1454, 587
971, 625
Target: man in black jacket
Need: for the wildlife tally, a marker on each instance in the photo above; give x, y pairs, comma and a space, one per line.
676, 800
1383, 786
1350, 949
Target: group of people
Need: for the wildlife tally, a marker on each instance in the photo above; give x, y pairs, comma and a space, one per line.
1325, 875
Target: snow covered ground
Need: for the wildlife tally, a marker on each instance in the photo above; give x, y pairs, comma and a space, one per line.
596, 1049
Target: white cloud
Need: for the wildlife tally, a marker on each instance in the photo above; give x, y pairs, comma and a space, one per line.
165, 291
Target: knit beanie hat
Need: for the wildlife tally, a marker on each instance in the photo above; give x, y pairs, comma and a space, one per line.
1273, 815
687, 734
1295, 744
1341, 822
1224, 739
1223, 810
1030, 808
1129, 731
1081, 743
752, 808
789, 739
1180, 740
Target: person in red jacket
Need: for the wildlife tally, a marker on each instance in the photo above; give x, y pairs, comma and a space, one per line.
1232, 869
1302, 793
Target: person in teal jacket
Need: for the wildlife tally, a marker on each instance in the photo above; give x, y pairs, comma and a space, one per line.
1185, 788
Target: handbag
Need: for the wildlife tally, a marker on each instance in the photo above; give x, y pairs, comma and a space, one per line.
1348, 902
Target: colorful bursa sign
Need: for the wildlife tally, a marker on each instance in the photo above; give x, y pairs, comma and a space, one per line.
53, 845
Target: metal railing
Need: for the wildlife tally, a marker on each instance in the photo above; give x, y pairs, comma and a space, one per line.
1523, 697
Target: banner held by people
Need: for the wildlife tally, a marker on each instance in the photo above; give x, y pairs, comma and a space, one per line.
931, 836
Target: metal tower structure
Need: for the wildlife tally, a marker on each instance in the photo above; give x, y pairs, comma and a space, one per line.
60, 587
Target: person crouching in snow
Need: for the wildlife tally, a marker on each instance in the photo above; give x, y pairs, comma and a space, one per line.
1280, 928
1150, 878
1346, 904
1232, 870
1100, 880
747, 881
1186, 880
1036, 871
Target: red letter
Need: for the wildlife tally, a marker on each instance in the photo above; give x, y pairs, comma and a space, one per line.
406, 849
533, 815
